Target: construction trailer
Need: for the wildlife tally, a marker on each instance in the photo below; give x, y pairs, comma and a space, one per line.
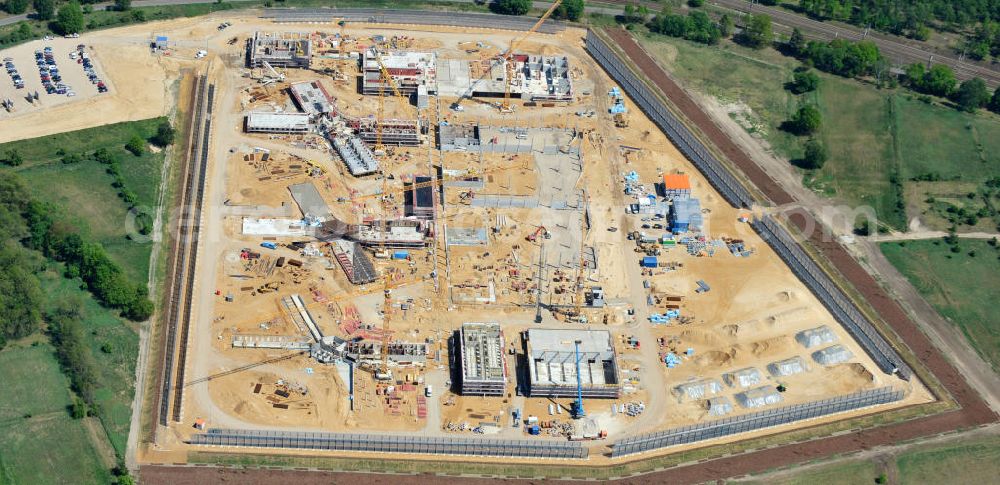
311, 97
484, 369
419, 198
259, 122
552, 364
279, 49
408, 70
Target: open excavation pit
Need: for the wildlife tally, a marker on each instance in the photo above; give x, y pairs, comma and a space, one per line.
552, 210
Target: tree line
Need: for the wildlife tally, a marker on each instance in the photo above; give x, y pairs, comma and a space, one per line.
29, 228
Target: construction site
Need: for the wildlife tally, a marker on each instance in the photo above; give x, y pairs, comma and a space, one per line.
411, 235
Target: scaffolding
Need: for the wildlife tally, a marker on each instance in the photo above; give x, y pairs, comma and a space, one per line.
279, 49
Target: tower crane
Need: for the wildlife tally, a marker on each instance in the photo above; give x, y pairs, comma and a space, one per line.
504, 59
386, 80
343, 40
577, 410
506, 56
582, 262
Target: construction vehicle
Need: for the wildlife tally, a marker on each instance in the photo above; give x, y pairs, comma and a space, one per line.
541, 230
621, 120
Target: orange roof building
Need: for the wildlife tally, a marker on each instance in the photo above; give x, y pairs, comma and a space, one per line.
675, 185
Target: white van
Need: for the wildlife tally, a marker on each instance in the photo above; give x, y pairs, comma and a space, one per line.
428, 391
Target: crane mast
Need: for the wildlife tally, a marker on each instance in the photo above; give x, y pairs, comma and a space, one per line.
506, 56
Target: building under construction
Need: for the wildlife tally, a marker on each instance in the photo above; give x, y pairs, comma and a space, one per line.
536, 78
355, 263
419, 198
409, 70
394, 132
312, 98
552, 363
484, 370
400, 353
399, 233
259, 122
279, 49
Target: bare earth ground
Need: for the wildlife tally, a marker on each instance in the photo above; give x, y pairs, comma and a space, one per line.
725, 336
748, 319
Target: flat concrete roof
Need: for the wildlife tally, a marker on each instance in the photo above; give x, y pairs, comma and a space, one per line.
277, 121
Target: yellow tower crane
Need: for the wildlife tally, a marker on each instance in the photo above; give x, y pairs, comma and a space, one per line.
506, 56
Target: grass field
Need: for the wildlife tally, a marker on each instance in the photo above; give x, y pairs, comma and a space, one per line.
32, 383
869, 133
39, 441
975, 461
947, 142
845, 473
55, 449
962, 460
116, 378
962, 288
85, 192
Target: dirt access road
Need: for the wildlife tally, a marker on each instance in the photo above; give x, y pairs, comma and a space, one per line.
974, 410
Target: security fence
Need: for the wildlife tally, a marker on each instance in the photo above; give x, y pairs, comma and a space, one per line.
391, 444
689, 145
832, 297
753, 422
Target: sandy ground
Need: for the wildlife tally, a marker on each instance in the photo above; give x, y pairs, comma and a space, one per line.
139, 85
748, 319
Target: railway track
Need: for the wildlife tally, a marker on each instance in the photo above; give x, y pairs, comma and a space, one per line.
898, 52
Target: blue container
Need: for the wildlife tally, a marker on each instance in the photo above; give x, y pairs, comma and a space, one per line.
649, 262
535, 430
400, 254
268, 245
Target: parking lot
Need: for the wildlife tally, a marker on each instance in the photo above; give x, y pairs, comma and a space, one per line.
67, 77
